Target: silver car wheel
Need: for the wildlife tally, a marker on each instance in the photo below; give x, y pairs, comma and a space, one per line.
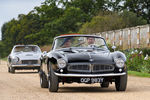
49, 83
41, 81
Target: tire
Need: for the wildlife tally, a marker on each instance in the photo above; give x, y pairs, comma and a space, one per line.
12, 70
43, 80
105, 84
53, 83
121, 82
9, 69
38, 69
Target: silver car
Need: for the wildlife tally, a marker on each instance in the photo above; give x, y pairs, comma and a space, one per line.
24, 57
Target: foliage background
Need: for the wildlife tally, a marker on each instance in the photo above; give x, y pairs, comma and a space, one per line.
55, 17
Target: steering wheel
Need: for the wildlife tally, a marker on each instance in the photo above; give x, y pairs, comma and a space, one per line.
92, 45
96, 46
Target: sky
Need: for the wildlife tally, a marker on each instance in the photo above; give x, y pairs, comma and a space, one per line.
10, 9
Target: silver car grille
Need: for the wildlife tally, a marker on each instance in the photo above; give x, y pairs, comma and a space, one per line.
79, 68
103, 68
29, 61
90, 68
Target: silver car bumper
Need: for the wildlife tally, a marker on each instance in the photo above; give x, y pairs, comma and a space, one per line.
89, 75
25, 65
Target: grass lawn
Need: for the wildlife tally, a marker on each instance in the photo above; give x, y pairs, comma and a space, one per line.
140, 74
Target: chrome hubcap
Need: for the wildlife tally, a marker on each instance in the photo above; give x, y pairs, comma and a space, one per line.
49, 83
41, 80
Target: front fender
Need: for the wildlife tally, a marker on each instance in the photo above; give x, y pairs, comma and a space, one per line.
52, 57
118, 54
55, 55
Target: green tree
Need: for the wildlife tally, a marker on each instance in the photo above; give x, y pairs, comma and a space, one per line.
70, 21
140, 7
102, 23
107, 21
130, 19
114, 5
90, 7
55, 17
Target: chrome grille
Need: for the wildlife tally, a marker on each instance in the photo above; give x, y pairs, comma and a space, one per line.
79, 68
103, 68
90, 68
29, 61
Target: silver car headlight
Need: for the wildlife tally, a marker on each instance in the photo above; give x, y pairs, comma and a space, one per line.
15, 59
61, 63
119, 62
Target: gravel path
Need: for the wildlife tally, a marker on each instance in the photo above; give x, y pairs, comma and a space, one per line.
25, 85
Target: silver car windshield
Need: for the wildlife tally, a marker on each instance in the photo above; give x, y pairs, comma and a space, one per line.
80, 41
26, 49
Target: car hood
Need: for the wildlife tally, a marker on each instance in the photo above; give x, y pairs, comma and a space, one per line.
27, 55
92, 57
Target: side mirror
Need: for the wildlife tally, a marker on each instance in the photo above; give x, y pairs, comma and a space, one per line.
44, 53
113, 47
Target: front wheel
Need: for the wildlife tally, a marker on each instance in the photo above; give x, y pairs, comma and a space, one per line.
11, 70
43, 80
53, 83
121, 82
38, 69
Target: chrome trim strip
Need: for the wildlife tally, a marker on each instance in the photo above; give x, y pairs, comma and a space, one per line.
89, 75
34, 65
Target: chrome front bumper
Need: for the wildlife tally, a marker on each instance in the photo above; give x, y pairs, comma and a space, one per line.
89, 75
26, 65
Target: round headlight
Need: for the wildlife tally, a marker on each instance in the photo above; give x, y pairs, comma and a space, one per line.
61, 63
119, 62
15, 59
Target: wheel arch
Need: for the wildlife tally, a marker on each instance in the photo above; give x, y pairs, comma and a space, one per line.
51, 60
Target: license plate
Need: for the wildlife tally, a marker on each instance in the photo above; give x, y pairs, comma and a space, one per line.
91, 80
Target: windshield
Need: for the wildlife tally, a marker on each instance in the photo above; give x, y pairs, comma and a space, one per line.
80, 41
26, 49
